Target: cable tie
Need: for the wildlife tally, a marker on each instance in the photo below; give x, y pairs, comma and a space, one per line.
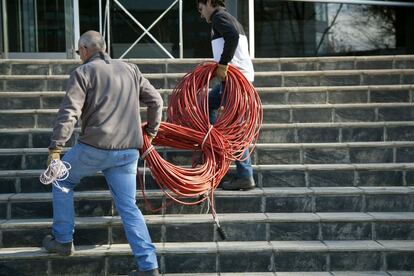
151, 148
205, 137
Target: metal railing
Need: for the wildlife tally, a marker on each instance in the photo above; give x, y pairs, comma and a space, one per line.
107, 26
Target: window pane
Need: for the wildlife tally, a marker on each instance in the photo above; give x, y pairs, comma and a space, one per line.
36, 26
286, 29
124, 32
51, 26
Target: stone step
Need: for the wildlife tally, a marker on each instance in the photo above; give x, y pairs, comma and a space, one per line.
210, 257
333, 153
297, 113
316, 273
264, 154
342, 132
296, 175
55, 67
335, 63
336, 132
336, 94
268, 95
238, 227
10, 83
268, 200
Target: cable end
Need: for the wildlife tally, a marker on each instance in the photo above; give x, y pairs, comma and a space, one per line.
221, 232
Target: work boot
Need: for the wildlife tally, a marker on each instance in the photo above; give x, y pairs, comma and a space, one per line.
53, 246
239, 183
152, 272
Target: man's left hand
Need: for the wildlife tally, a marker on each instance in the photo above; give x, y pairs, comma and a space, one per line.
150, 137
54, 154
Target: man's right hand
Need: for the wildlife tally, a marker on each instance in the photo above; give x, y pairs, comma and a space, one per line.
221, 71
54, 154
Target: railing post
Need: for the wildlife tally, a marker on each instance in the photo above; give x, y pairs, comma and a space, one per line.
5, 31
251, 29
181, 28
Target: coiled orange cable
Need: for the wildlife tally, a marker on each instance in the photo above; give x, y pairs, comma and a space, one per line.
188, 128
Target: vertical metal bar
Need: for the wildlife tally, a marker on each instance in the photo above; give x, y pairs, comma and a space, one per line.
108, 46
28, 27
20, 29
105, 20
25, 18
69, 29
36, 28
100, 16
180, 8
1, 32
251, 29
5, 30
76, 26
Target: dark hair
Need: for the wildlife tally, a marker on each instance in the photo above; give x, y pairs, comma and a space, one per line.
214, 3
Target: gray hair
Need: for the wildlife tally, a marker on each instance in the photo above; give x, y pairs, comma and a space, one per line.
93, 40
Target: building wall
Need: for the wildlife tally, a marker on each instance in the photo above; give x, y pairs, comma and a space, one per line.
282, 28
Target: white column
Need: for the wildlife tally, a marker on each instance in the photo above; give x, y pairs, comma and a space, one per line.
100, 17
108, 22
251, 28
180, 8
76, 26
5, 31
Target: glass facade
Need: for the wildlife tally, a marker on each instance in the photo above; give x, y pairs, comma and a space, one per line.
36, 25
282, 28
287, 29
124, 32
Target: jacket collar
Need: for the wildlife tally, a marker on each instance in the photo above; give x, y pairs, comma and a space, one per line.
98, 55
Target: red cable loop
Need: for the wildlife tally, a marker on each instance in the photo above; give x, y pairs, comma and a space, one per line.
236, 128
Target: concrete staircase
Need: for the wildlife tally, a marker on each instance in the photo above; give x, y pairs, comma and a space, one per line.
334, 168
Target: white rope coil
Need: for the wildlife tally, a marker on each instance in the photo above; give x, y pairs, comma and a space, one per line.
57, 171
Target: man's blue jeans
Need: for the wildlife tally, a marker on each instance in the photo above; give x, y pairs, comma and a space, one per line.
244, 168
119, 168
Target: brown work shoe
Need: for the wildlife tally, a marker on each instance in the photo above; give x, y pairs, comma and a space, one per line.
53, 246
239, 183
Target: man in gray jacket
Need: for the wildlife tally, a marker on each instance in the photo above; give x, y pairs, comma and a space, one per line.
105, 95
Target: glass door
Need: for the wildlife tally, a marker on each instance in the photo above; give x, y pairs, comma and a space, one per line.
37, 28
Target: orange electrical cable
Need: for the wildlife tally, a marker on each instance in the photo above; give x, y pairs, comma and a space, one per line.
188, 128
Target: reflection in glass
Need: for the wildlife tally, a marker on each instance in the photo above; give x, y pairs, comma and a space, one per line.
286, 29
36, 25
360, 28
124, 32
